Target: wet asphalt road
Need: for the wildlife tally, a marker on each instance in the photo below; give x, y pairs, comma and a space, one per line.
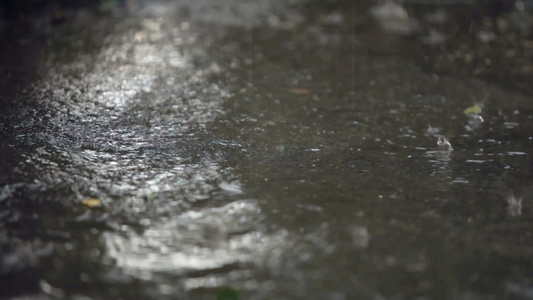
267, 150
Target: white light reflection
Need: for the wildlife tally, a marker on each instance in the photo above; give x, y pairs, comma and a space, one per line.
206, 239
141, 102
137, 107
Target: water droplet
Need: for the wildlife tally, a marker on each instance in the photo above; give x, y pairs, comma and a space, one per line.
514, 205
460, 180
444, 144
434, 131
360, 236
516, 153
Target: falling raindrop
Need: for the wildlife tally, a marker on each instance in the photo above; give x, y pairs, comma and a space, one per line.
514, 207
433, 131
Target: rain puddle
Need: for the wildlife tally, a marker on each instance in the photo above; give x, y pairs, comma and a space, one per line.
268, 150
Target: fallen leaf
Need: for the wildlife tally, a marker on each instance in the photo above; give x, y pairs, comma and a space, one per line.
92, 202
473, 110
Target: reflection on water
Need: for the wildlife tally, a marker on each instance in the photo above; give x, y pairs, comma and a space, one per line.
203, 240
126, 126
140, 153
440, 160
257, 159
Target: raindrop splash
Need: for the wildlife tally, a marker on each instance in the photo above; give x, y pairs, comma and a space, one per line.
444, 144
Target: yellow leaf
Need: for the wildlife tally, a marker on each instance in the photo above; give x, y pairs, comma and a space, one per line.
92, 202
473, 110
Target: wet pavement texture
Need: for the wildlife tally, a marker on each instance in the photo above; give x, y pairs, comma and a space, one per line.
269, 150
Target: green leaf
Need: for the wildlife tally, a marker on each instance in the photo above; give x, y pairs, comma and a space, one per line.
473, 110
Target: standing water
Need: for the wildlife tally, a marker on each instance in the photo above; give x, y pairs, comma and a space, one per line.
269, 150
